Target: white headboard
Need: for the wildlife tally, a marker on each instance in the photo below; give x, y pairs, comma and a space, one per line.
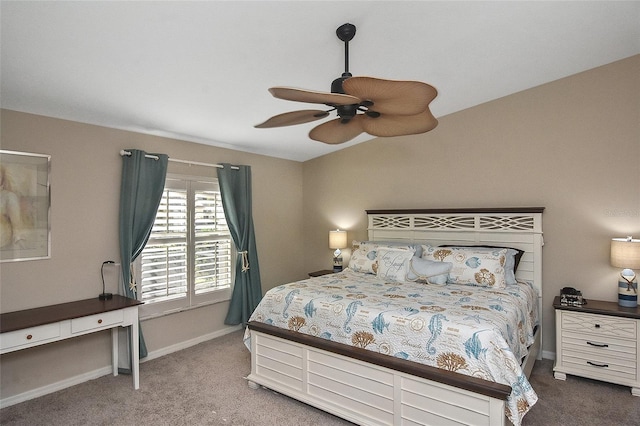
518, 227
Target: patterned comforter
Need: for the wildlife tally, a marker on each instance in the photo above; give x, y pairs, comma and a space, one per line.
477, 331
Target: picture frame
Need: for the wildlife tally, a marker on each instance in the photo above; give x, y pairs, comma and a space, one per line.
25, 206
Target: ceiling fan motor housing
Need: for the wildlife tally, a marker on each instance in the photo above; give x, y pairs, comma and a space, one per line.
336, 85
347, 112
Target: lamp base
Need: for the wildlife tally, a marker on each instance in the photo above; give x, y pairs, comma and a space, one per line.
337, 264
628, 293
105, 296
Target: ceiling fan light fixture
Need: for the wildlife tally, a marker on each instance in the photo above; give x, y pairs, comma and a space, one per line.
382, 108
347, 112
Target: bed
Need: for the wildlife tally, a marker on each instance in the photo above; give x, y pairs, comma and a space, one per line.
371, 365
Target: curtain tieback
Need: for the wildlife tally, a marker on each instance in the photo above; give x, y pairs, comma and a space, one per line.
245, 260
133, 283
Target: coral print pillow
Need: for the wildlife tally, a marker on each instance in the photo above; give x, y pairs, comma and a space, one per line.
363, 257
485, 268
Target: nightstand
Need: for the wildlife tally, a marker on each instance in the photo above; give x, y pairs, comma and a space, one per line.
599, 340
321, 273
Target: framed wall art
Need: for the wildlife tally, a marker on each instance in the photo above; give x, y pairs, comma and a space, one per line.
25, 203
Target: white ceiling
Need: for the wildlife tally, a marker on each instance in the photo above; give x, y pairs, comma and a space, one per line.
199, 71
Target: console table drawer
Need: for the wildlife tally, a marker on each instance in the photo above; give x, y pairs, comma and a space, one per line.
29, 336
103, 320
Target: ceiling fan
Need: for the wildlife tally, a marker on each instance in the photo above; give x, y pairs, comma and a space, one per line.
364, 104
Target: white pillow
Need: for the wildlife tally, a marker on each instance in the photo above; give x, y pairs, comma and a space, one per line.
393, 264
479, 267
428, 271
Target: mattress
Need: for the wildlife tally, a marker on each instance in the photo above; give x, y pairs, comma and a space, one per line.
476, 331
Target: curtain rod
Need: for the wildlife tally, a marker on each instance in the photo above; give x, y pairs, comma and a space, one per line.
191, 163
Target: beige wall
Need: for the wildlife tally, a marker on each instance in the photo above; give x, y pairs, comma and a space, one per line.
85, 188
572, 146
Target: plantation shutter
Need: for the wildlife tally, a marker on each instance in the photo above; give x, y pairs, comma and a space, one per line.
212, 241
189, 257
164, 259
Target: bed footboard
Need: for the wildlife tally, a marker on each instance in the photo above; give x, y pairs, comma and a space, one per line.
367, 393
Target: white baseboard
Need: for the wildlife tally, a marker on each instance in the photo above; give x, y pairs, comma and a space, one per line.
549, 355
54, 387
188, 343
91, 375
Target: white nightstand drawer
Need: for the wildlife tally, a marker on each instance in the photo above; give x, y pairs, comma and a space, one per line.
29, 336
608, 369
103, 320
589, 344
601, 360
599, 325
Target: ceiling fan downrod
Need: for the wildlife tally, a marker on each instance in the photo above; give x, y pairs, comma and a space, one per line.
345, 32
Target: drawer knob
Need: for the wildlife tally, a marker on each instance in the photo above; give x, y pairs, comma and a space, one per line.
597, 325
599, 345
29, 337
99, 321
597, 365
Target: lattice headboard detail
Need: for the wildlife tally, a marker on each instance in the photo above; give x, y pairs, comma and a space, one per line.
451, 221
512, 227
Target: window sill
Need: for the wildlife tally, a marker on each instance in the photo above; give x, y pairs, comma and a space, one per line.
145, 317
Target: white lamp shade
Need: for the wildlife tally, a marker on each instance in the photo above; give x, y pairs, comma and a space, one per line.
337, 239
625, 253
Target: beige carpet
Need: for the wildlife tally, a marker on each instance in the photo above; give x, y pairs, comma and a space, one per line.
204, 385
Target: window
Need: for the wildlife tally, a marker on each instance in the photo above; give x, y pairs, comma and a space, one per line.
188, 260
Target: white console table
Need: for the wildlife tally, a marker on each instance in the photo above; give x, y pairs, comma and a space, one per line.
38, 326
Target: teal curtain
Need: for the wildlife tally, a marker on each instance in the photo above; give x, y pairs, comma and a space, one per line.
140, 194
235, 189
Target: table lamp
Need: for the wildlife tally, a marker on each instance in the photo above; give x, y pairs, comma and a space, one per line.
337, 241
625, 253
105, 295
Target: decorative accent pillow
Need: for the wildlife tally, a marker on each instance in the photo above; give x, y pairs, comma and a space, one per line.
363, 257
484, 268
511, 265
364, 254
428, 271
393, 264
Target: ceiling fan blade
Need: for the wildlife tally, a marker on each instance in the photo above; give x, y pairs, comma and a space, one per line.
391, 96
313, 97
335, 132
399, 125
291, 118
